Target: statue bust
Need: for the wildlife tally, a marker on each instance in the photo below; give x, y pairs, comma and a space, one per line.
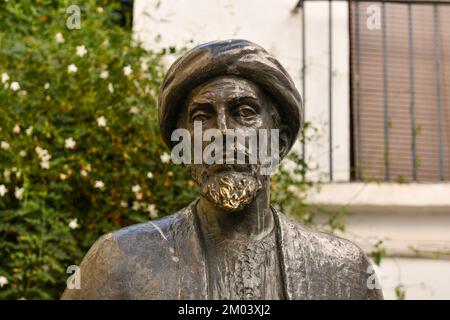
230, 243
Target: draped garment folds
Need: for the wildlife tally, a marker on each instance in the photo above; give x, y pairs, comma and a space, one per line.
165, 259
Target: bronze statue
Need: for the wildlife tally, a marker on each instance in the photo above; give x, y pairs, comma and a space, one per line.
230, 243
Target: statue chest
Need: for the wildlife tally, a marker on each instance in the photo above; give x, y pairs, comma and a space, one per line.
244, 270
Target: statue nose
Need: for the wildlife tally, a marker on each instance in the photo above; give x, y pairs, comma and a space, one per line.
222, 121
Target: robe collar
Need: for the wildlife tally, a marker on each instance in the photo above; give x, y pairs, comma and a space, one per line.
289, 248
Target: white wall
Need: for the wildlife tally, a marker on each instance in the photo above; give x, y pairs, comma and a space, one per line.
191, 22
413, 223
317, 89
420, 278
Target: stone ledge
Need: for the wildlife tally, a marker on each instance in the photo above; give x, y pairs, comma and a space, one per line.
412, 220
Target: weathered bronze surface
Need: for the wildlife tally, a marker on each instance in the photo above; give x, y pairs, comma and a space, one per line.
230, 243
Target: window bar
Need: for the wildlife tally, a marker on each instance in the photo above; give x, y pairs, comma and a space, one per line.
437, 51
330, 86
385, 94
303, 81
358, 96
412, 94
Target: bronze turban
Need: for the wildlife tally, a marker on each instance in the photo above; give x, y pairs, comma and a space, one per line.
230, 57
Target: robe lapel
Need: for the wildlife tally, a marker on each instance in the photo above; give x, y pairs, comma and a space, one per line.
292, 258
192, 276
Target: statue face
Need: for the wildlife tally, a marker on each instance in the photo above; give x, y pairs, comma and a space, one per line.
227, 103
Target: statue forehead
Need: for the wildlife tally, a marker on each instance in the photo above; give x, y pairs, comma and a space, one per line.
226, 86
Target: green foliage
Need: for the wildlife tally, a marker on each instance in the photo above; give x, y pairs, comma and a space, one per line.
378, 253
80, 149
289, 189
74, 144
400, 292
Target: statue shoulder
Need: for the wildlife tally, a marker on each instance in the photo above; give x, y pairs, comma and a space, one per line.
105, 266
150, 231
329, 257
325, 244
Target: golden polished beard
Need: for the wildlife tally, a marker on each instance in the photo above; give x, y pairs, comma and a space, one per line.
230, 190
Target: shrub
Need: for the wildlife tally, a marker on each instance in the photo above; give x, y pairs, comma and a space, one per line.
80, 149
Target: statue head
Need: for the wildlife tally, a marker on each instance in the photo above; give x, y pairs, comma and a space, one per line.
234, 88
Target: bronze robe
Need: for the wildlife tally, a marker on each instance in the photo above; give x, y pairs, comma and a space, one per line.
165, 259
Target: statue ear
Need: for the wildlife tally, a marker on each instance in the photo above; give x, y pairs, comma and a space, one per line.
285, 139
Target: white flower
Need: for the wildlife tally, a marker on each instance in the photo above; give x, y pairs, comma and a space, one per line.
3, 190
23, 153
99, 184
18, 174
16, 129
101, 121
72, 68
83, 173
99, 9
292, 188
14, 86
165, 157
19, 193
134, 110
149, 175
45, 164
127, 70
152, 212
59, 37
43, 154
3, 281
136, 188
4, 145
81, 50
124, 204
39, 150
63, 176
29, 131
70, 143
73, 224
110, 87
144, 64
46, 85
136, 205
5, 77
104, 74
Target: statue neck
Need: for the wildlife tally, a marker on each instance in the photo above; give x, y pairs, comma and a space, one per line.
253, 222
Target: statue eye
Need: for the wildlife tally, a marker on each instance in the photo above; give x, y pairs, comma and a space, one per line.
245, 111
199, 116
